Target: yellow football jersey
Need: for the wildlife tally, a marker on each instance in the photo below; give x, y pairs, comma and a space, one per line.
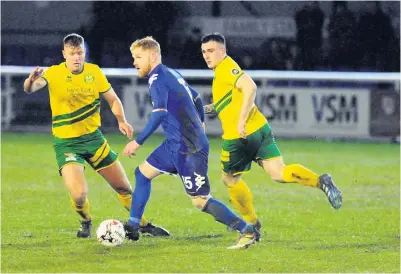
227, 100
74, 99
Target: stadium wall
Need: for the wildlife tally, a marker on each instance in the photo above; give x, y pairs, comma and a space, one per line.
350, 113
326, 105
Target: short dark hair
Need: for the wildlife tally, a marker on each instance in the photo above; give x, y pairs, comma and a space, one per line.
73, 39
217, 37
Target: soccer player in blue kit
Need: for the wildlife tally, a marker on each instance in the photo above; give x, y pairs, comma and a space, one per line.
179, 109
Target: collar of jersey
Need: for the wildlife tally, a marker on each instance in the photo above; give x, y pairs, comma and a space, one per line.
225, 58
154, 70
75, 73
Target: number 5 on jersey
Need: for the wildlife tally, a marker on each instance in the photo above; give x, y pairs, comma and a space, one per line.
199, 181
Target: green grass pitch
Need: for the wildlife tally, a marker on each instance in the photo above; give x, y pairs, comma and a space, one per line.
301, 232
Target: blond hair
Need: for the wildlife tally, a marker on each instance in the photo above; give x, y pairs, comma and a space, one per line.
146, 43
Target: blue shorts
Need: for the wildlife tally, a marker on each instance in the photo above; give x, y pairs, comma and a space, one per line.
192, 168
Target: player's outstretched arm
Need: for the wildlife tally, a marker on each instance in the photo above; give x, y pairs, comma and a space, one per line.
117, 108
159, 94
34, 82
155, 119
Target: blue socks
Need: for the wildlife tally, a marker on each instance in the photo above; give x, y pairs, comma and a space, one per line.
217, 209
224, 215
140, 197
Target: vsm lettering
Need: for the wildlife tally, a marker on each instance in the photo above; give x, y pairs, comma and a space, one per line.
278, 107
335, 108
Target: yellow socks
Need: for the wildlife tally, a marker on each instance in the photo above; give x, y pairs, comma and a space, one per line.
241, 197
82, 210
301, 175
125, 200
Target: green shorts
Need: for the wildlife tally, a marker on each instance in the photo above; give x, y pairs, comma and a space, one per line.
92, 148
237, 154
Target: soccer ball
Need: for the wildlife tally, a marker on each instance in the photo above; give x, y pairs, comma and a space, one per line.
110, 233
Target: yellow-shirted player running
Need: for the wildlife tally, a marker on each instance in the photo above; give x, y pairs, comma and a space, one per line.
247, 136
75, 88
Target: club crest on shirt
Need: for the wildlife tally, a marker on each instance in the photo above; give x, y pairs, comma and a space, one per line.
235, 71
89, 78
69, 78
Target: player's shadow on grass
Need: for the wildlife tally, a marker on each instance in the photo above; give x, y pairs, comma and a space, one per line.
197, 238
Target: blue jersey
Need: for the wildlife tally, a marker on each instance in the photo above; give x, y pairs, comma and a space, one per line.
182, 125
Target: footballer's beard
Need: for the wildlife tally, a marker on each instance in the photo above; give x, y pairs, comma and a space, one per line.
144, 72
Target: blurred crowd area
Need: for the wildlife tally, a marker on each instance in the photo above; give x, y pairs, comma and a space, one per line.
363, 40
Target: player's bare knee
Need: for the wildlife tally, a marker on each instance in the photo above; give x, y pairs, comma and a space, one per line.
199, 201
276, 176
277, 173
79, 198
147, 170
274, 167
78, 192
230, 180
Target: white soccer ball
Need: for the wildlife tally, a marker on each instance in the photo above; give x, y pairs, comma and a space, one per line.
110, 233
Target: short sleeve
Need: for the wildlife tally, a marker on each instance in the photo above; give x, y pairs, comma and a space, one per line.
102, 82
47, 74
231, 72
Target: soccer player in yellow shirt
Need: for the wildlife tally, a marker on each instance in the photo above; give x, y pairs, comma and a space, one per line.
74, 88
247, 136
